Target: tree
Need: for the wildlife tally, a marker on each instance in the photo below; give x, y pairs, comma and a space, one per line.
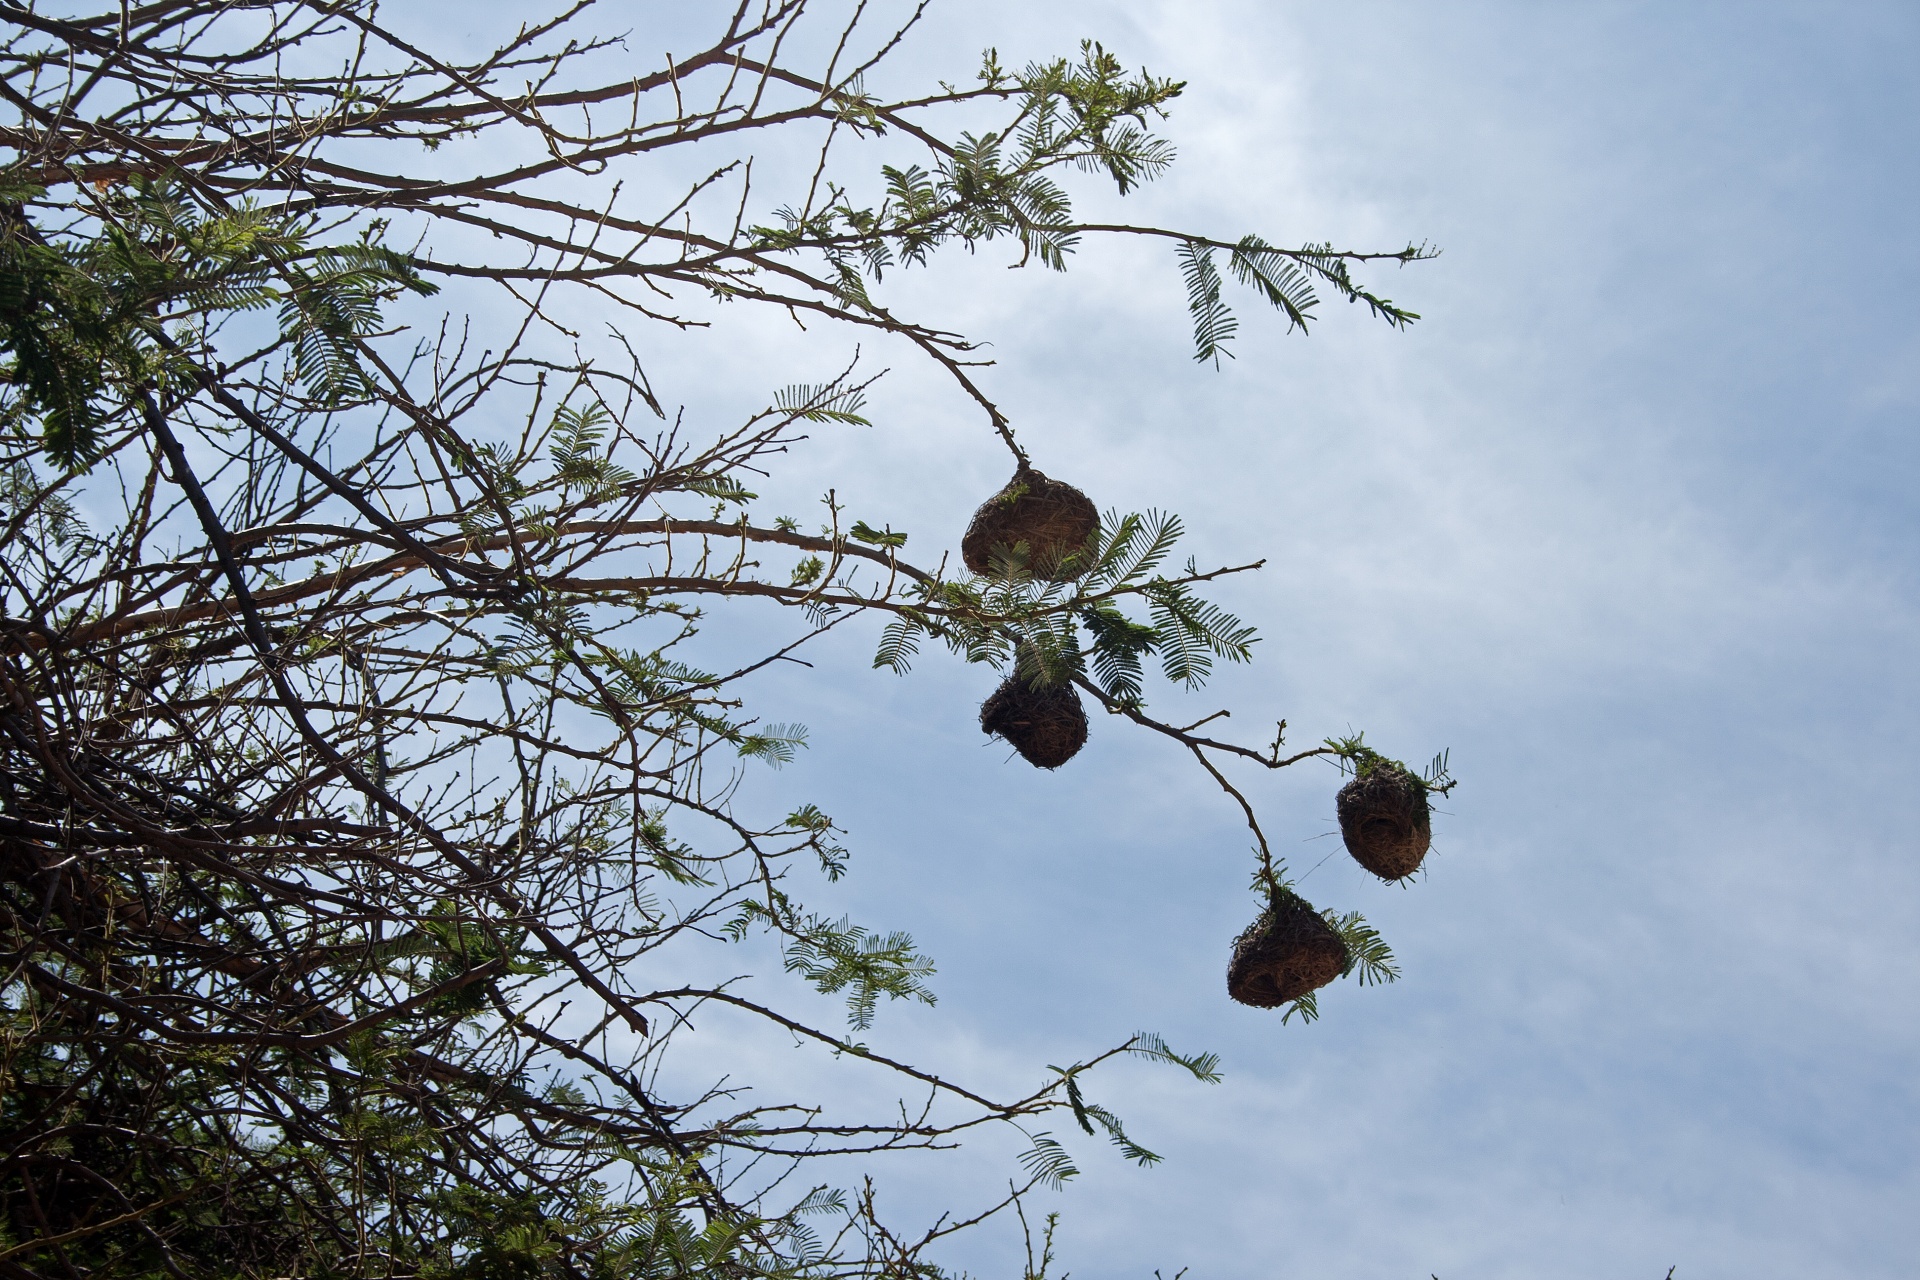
364, 786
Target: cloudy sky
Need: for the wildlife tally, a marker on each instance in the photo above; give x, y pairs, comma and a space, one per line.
1625, 522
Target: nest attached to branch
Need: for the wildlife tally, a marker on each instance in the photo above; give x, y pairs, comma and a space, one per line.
1046, 726
1288, 952
1052, 517
1385, 822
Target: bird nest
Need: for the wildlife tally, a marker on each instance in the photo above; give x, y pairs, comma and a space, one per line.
1287, 953
1384, 821
1051, 517
1046, 726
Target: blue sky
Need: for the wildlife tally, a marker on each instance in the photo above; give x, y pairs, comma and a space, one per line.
1626, 523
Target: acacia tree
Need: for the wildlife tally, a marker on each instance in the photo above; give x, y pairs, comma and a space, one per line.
367, 802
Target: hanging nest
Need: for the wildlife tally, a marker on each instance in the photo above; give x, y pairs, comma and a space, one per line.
1053, 518
1288, 952
1384, 820
1046, 726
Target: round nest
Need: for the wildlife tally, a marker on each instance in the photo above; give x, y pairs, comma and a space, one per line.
1046, 726
1384, 821
1289, 951
1053, 518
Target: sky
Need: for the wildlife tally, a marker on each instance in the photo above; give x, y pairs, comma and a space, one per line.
1624, 523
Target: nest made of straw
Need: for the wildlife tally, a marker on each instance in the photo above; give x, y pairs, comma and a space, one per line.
1384, 820
1052, 517
1288, 952
1046, 726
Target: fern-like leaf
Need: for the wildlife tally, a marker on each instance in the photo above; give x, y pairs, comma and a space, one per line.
1191, 632
838, 955
1134, 546
826, 403
777, 744
1118, 643
1048, 1162
1368, 955
1307, 1007
1204, 1066
1213, 322
1275, 277
899, 642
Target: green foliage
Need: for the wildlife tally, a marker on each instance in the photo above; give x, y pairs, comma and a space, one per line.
1133, 546
1368, 955
84, 310
579, 453
1189, 632
30, 507
1306, 1008
1087, 113
1277, 278
863, 532
1035, 624
777, 744
1213, 322
827, 402
819, 830
673, 858
899, 640
1048, 1163
1355, 757
539, 1235
840, 956
721, 488
330, 301
1117, 645
1205, 1067
1283, 278
1088, 1114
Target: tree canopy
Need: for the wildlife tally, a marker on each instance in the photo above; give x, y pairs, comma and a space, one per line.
371, 802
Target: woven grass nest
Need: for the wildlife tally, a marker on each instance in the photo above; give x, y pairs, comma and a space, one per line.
1052, 517
1046, 726
1288, 952
1384, 820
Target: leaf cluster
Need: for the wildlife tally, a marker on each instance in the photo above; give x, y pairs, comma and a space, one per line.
85, 307
1355, 757
1051, 630
1087, 113
838, 955
1284, 279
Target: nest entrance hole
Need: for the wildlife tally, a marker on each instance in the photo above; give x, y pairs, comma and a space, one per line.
1289, 952
1385, 821
1046, 726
